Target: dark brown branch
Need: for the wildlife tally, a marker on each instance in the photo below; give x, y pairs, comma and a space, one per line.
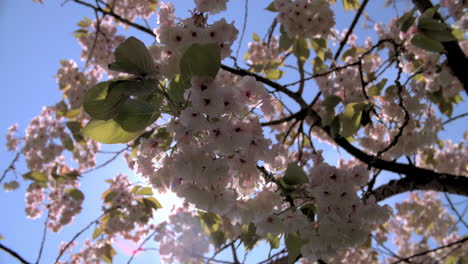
13, 254
454, 118
452, 206
351, 28
426, 181
278, 87
119, 18
299, 114
456, 59
461, 241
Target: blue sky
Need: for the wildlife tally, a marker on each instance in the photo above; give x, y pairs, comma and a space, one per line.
35, 38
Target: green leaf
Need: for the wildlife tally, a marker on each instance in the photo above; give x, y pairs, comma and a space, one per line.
274, 74
67, 143
430, 12
210, 221
136, 188
75, 129
319, 66
328, 117
350, 4
445, 105
108, 132
1, 237
35, 176
406, 20
458, 33
375, 90
434, 29
97, 232
86, 22
218, 238
109, 253
273, 240
335, 126
176, 90
249, 236
108, 195
295, 175
320, 47
271, 7
135, 115
132, 87
133, 57
99, 105
453, 260
331, 101
284, 42
301, 49
352, 52
309, 211
351, 119
145, 191
255, 37
423, 42
200, 60
151, 202
75, 193
293, 245
69, 113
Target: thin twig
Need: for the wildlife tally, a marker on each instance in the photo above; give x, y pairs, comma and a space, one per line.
244, 26
140, 248
76, 236
11, 166
44, 234
351, 28
454, 118
108, 161
460, 218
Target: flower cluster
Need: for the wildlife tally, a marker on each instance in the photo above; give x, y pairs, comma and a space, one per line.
126, 213
261, 53
419, 215
99, 43
451, 158
35, 196
40, 149
10, 186
62, 206
343, 220
177, 37
74, 83
183, 239
305, 18
12, 141
133, 9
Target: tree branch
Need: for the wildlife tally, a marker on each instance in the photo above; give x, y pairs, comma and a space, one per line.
456, 59
278, 87
461, 241
10, 167
114, 15
13, 254
429, 181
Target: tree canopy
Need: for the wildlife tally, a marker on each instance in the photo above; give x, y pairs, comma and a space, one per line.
245, 142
